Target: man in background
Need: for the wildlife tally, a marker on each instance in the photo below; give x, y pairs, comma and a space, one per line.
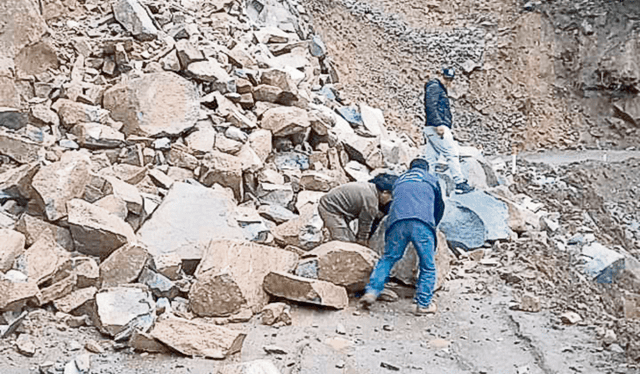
438, 126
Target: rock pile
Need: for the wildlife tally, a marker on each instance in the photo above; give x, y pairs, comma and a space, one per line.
162, 163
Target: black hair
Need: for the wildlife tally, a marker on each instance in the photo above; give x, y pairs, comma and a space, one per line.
419, 163
384, 181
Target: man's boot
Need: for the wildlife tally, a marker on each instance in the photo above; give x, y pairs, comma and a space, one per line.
367, 300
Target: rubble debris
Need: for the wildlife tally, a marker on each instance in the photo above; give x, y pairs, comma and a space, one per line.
194, 338
230, 275
530, 303
306, 290
256, 366
570, 318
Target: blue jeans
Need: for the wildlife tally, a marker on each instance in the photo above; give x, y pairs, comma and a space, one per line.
396, 241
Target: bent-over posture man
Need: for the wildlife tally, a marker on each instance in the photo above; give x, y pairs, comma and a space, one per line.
416, 210
438, 127
355, 200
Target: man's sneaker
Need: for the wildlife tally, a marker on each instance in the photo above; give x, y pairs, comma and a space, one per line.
462, 188
429, 309
367, 300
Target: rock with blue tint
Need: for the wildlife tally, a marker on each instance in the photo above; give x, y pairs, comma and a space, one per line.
462, 226
493, 213
351, 115
603, 264
317, 47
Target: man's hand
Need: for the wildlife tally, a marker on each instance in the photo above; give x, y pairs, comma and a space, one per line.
440, 131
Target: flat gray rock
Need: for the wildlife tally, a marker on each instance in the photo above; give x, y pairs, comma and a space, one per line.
188, 218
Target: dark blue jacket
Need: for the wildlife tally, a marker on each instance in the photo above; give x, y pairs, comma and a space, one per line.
416, 195
436, 104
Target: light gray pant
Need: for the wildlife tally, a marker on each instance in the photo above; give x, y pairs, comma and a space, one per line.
446, 147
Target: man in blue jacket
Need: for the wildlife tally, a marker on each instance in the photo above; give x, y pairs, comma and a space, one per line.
438, 127
416, 210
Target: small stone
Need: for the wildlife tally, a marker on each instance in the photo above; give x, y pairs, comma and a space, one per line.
387, 328
274, 349
570, 318
389, 366
340, 329
25, 345
530, 303
609, 337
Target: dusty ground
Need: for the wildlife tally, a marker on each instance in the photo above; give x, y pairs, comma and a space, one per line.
474, 331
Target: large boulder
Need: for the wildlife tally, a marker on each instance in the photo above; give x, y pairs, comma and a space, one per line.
156, 104
306, 290
22, 149
462, 226
284, 121
135, 19
224, 169
188, 219
195, 338
493, 213
124, 265
54, 185
343, 264
230, 276
95, 231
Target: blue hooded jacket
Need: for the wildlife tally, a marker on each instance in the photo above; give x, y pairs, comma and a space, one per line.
436, 104
416, 195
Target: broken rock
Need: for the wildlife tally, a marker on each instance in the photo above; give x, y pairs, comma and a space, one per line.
19, 148
224, 169
230, 277
306, 290
12, 246
56, 184
343, 264
117, 306
95, 231
32, 227
15, 295
285, 121
156, 104
135, 19
124, 265
194, 338
276, 312
189, 218
81, 299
